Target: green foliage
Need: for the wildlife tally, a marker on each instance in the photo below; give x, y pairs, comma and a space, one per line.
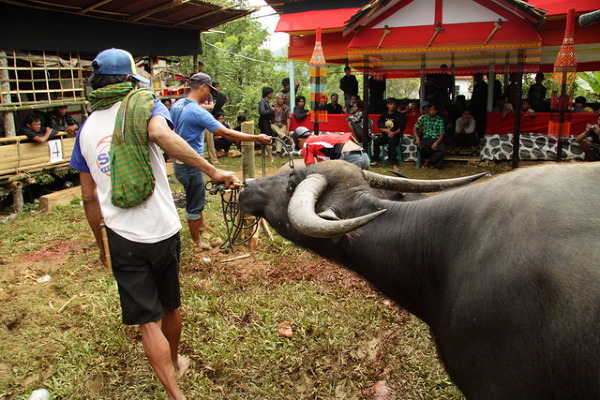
590, 84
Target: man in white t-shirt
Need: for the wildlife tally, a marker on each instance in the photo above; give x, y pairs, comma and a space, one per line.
143, 239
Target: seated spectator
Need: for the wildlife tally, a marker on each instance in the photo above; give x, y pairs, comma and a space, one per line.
334, 107
465, 130
391, 124
59, 120
429, 137
32, 128
589, 141
580, 107
222, 144
280, 125
300, 112
526, 110
413, 109
332, 146
355, 122
503, 106
350, 108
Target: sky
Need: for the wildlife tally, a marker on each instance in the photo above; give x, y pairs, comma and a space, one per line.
276, 40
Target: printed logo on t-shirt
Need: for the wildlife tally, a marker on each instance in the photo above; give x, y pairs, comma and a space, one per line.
103, 155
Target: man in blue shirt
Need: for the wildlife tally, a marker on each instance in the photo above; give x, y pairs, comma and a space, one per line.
190, 120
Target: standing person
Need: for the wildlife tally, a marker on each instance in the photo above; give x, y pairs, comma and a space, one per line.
191, 120
391, 124
429, 136
265, 112
280, 126
348, 85
219, 99
130, 191
478, 103
537, 93
377, 85
511, 91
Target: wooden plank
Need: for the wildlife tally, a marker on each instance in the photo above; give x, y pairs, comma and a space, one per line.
60, 198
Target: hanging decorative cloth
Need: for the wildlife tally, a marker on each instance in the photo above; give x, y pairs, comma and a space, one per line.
563, 84
318, 82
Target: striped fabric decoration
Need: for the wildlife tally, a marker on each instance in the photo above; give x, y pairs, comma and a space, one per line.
318, 82
563, 85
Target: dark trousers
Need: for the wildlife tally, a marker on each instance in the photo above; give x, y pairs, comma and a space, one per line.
435, 157
392, 143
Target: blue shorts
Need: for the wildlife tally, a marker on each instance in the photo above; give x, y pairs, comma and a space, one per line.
195, 194
147, 276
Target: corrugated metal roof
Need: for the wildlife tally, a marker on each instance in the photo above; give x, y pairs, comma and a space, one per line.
185, 14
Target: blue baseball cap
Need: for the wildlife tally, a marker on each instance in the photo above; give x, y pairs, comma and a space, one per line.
116, 62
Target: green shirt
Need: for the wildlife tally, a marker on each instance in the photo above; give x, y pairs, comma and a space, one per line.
432, 128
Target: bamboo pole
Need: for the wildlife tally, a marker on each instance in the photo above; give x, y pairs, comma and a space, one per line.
7, 116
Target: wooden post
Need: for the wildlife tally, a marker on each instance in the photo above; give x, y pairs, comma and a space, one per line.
17, 196
248, 172
7, 116
248, 151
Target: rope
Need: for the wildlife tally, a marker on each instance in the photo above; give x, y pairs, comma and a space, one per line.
232, 216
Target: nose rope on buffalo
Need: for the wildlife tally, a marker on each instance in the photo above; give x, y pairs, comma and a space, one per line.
232, 216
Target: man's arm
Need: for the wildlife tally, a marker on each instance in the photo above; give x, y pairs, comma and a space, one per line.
242, 137
47, 135
160, 133
91, 206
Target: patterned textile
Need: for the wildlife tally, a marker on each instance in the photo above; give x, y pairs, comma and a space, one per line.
103, 98
132, 180
431, 128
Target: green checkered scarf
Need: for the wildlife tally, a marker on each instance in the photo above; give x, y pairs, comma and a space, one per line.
105, 97
132, 179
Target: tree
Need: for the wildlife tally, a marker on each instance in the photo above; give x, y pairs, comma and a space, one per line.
589, 84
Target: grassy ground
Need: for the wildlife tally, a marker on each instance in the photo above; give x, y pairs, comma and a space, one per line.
65, 334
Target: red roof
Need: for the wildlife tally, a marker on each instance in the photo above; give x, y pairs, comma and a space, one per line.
311, 20
558, 7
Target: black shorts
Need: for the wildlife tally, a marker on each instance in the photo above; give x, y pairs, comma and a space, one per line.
147, 275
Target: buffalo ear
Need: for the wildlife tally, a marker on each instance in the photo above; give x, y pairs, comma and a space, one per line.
329, 214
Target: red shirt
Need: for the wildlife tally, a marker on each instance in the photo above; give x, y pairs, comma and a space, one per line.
324, 147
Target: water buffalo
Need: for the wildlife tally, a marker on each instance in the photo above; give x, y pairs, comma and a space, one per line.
505, 272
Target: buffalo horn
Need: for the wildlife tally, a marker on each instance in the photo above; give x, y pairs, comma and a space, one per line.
404, 185
301, 211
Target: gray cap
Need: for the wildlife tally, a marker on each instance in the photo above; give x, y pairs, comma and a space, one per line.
202, 79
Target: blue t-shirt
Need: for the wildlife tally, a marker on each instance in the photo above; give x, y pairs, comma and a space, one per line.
78, 162
191, 120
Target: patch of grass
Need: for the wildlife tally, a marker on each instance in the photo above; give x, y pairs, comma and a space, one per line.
66, 334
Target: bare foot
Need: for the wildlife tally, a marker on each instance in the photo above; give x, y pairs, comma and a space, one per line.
183, 363
202, 246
